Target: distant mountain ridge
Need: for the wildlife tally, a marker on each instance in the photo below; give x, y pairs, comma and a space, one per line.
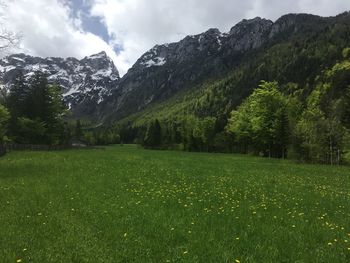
85, 83
252, 50
167, 69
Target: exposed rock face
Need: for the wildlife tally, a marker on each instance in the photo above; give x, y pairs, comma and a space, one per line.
166, 69
92, 86
249, 34
85, 83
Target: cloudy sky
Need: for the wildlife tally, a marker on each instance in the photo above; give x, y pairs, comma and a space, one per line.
125, 29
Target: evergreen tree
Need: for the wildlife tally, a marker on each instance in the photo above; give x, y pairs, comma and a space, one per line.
37, 100
17, 102
4, 117
36, 104
53, 118
153, 137
17, 97
78, 130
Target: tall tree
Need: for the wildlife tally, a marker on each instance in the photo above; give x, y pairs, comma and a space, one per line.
78, 130
4, 117
260, 120
153, 137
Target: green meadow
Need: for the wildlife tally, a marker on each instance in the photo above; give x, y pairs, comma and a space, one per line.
126, 204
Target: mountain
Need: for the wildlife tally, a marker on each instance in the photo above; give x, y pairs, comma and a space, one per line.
208, 74
167, 69
224, 68
85, 83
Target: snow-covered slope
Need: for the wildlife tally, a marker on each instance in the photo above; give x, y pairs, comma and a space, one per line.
85, 83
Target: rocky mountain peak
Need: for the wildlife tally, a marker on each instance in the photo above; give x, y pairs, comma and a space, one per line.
85, 83
254, 25
249, 34
293, 22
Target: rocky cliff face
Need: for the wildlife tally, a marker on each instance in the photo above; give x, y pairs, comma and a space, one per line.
85, 83
92, 87
167, 69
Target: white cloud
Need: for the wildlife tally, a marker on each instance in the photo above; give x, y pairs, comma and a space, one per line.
48, 30
138, 25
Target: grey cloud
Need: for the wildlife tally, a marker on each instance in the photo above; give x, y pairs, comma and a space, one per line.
138, 25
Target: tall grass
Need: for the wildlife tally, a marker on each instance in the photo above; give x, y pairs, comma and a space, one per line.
124, 204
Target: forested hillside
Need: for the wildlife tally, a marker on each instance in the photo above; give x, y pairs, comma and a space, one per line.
275, 89
301, 111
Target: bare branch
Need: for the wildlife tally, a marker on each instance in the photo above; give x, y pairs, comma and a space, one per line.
8, 39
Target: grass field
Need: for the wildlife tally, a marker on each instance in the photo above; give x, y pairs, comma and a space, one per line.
125, 204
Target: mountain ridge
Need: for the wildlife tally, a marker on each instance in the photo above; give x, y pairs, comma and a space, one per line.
85, 82
167, 69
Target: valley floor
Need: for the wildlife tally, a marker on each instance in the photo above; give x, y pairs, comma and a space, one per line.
125, 204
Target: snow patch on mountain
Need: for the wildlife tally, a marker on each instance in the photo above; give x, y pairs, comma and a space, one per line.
84, 82
157, 61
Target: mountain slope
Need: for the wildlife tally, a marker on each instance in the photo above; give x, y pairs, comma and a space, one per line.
169, 69
85, 83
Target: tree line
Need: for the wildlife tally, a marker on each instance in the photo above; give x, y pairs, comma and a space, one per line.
34, 112
281, 121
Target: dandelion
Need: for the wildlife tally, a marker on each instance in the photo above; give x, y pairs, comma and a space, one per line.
237, 261
237, 238
19, 260
329, 243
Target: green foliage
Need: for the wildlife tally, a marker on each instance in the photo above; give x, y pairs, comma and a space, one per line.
321, 127
178, 206
346, 52
36, 103
31, 131
78, 130
90, 138
260, 123
4, 118
153, 137
306, 119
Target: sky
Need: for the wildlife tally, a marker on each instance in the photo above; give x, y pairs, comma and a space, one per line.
125, 29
